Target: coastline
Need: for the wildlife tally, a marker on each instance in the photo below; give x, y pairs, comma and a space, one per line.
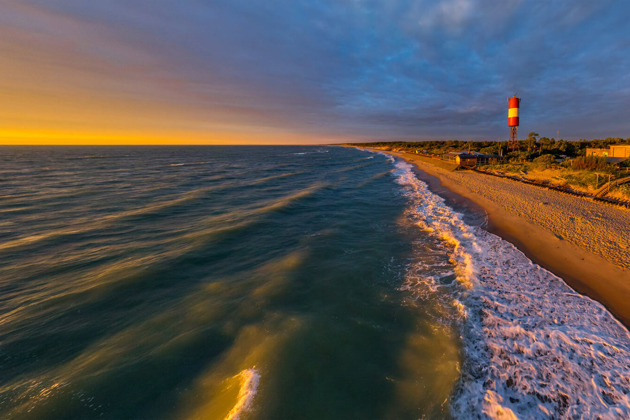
587, 244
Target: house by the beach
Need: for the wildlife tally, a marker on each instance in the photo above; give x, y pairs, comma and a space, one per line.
614, 154
461, 158
471, 158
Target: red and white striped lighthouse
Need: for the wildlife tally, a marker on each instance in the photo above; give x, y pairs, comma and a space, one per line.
513, 105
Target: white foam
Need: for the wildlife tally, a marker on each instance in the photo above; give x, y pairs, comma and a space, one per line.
249, 379
308, 153
534, 348
188, 164
387, 155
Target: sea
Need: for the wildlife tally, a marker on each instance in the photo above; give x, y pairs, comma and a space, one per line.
278, 282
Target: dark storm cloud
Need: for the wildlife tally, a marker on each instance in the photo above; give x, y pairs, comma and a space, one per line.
373, 69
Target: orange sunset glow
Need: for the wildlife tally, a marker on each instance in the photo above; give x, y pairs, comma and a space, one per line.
43, 137
73, 73
66, 80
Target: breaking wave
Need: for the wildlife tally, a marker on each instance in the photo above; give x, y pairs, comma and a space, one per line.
533, 347
249, 379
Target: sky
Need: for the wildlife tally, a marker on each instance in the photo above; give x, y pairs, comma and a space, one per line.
309, 71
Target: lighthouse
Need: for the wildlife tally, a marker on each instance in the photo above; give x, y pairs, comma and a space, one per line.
513, 105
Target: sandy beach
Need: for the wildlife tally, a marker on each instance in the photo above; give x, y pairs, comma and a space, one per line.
585, 243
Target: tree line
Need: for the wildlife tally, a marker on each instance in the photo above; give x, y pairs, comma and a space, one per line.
529, 148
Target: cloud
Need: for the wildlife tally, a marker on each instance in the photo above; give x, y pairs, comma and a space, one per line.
450, 14
345, 68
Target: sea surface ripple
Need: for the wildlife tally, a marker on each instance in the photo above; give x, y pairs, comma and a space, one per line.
214, 282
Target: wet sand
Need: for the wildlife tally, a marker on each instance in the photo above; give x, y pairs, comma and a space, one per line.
585, 243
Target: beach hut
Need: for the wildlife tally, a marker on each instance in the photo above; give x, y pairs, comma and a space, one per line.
461, 158
472, 158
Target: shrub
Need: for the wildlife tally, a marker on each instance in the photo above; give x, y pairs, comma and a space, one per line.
490, 150
593, 163
546, 160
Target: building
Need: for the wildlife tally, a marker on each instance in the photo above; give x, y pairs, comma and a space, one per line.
614, 154
472, 158
597, 152
620, 151
461, 158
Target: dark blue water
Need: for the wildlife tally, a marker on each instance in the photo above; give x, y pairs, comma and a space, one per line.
215, 282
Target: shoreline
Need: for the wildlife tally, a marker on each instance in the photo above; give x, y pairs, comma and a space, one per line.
519, 216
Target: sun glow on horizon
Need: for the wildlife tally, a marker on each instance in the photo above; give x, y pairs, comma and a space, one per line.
68, 138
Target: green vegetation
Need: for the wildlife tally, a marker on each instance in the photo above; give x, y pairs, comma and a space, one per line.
545, 160
530, 148
624, 189
541, 159
592, 163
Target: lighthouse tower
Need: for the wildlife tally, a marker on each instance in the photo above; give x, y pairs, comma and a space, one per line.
513, 105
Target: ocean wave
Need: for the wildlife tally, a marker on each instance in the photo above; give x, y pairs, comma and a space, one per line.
534, 348
249, 379
386, 155
87, 157
352, 168
309, 153
87, 224
188, 163
104, 278
368, 180
272, 178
